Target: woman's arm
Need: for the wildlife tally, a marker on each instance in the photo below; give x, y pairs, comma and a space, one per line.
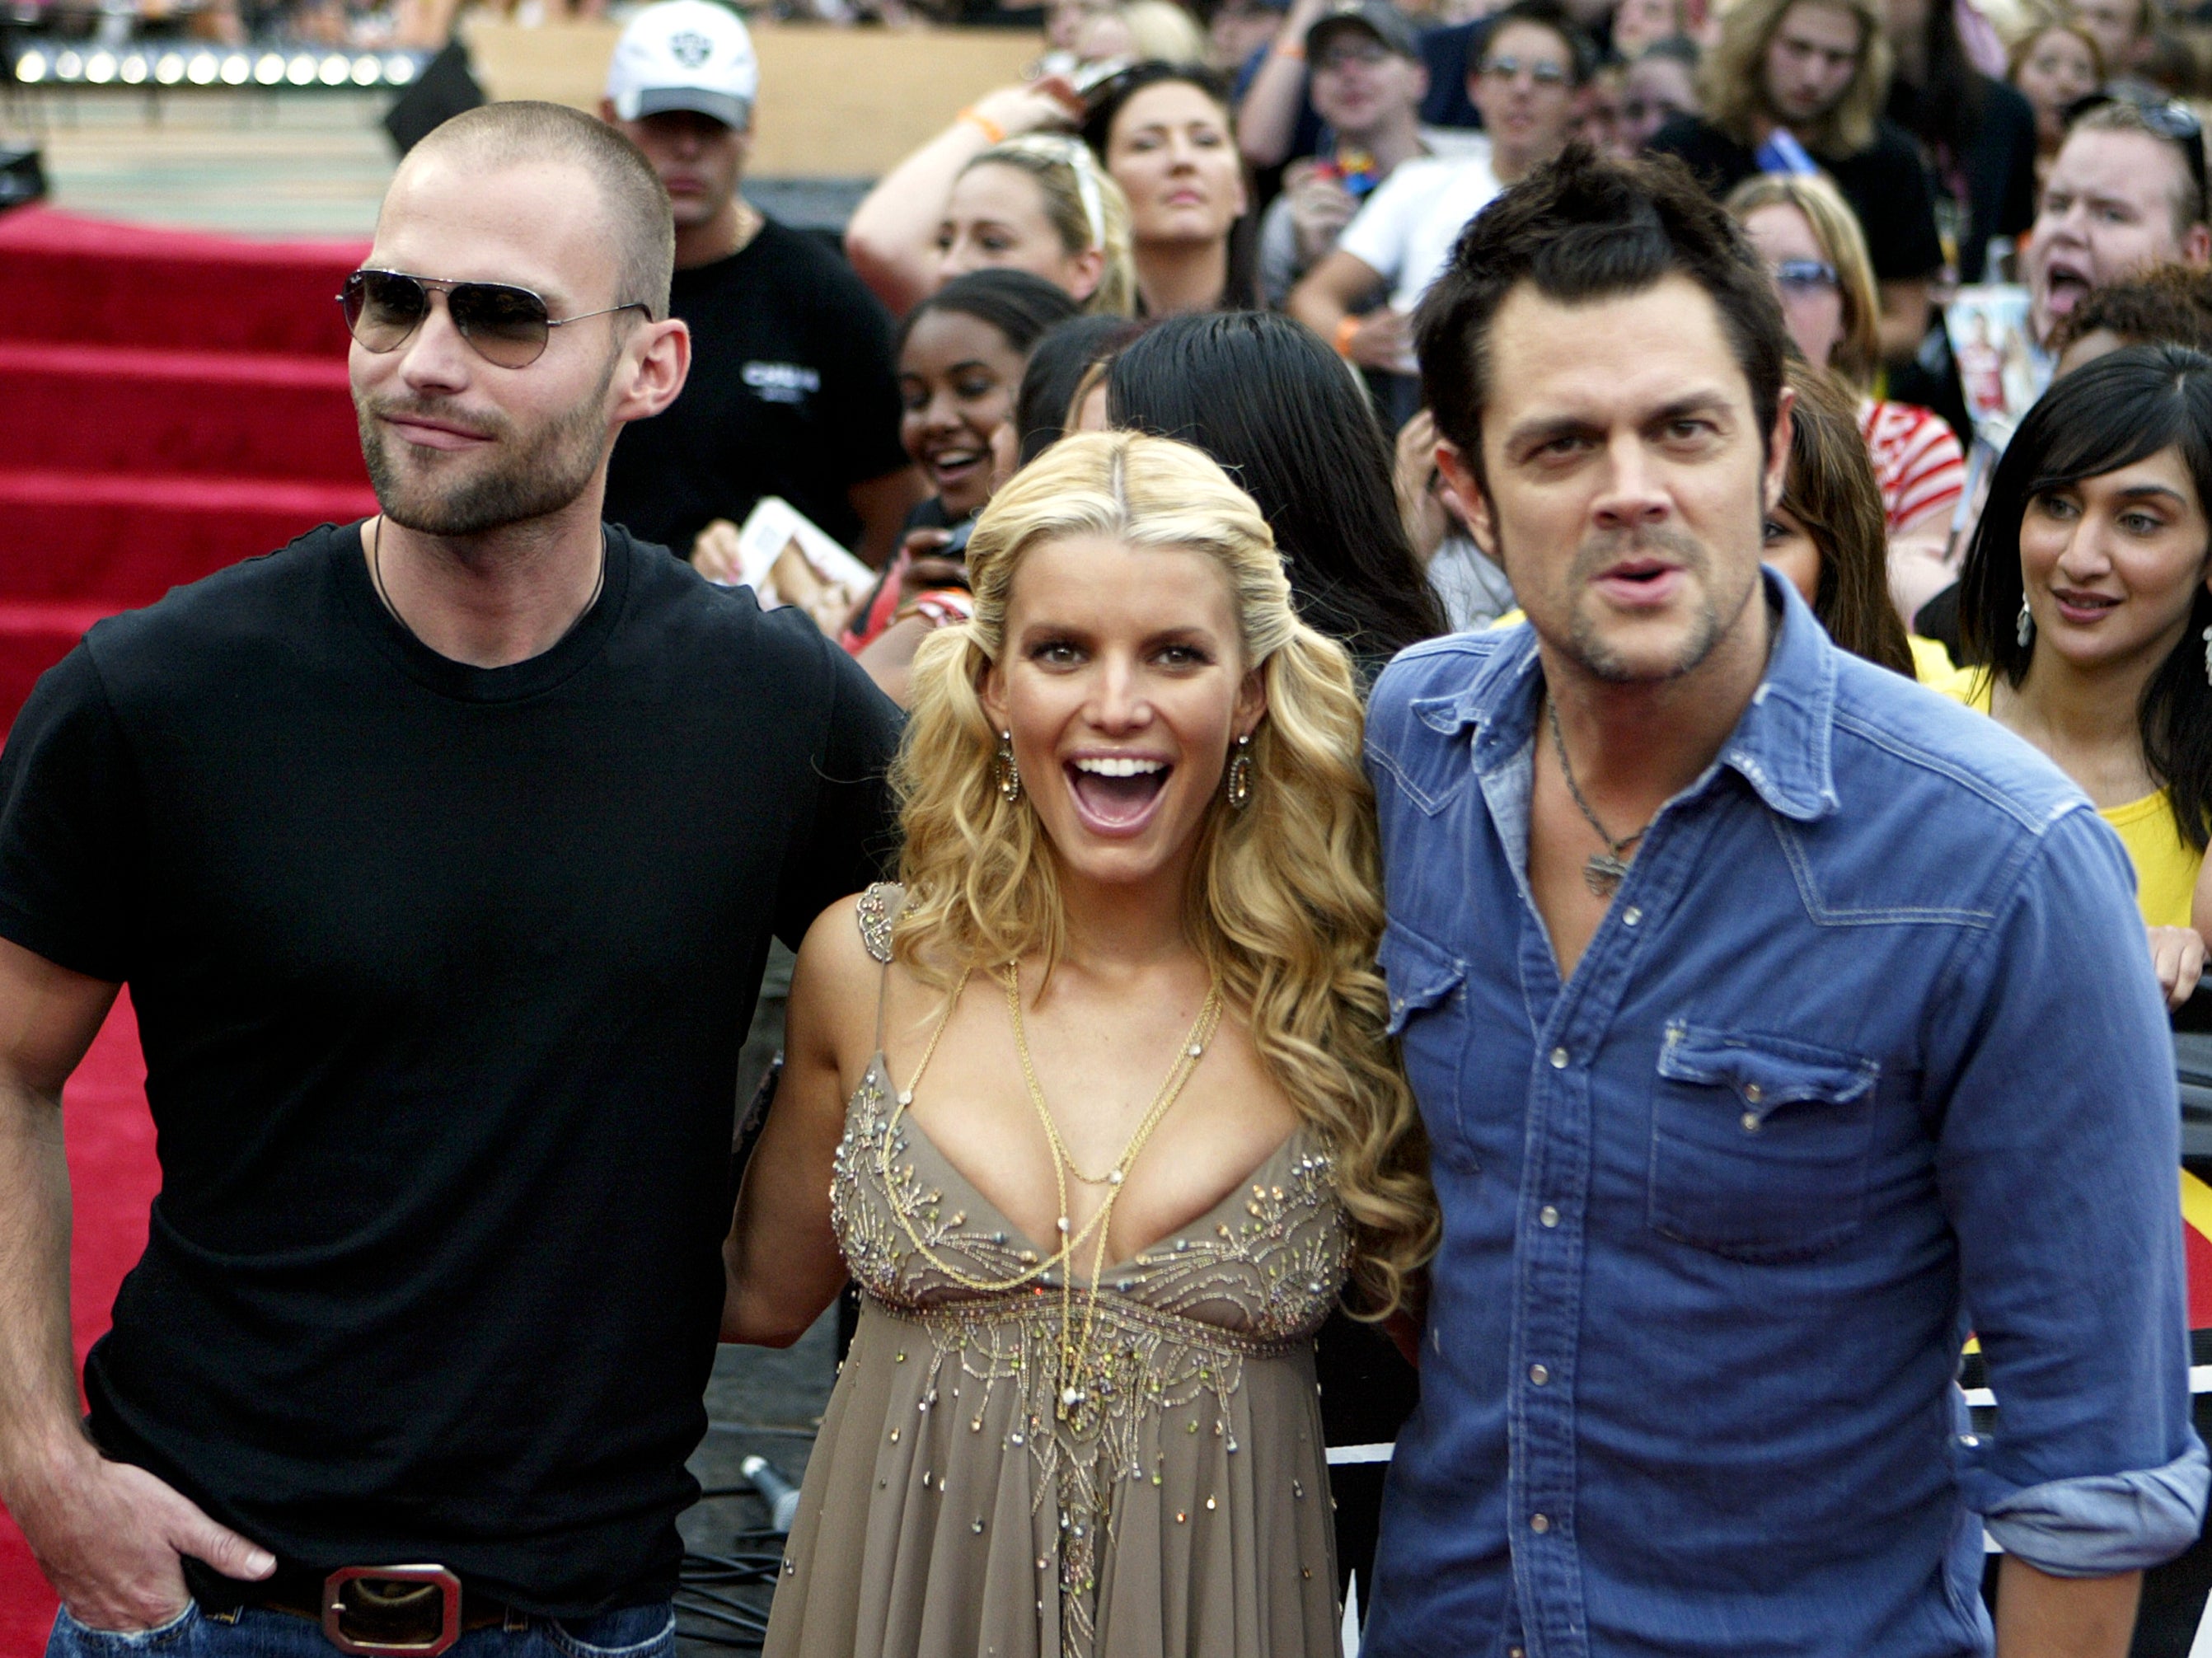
892, 238
781, 1263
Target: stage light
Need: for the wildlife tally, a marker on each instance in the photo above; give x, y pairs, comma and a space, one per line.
31, 68
335, 71
268, 69
204, 69
237, 70
367, 71
100, 68
400, 69
169, 68
69, 66
300, 71
134, 71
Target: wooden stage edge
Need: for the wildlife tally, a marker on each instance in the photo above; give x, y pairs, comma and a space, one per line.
835, 103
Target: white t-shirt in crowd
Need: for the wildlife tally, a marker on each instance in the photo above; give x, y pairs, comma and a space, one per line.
1406, 232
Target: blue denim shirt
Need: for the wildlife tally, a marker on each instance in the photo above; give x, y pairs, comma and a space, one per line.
1867, 1052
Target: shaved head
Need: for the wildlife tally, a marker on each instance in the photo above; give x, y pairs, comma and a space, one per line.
638, 225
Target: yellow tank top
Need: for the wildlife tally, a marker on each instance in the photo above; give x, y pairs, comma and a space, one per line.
2165, 865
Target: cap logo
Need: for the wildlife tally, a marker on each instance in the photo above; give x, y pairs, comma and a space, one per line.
690, 48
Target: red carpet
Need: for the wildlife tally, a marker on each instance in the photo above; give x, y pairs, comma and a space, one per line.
170, 403
112, 1178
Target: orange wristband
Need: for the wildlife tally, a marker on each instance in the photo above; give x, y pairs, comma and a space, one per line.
1344, 331
992, 131
1295, 50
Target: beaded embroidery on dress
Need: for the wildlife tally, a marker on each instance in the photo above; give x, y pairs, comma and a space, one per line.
951, 1507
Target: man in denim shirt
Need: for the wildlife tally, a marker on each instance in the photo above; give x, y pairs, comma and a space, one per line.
1775, 1024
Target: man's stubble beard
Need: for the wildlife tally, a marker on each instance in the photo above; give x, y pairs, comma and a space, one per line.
1585, 644
546, 475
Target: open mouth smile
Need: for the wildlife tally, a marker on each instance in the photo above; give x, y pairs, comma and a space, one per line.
1116, 795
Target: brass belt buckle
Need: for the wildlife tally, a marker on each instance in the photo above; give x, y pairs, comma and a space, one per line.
383, 1601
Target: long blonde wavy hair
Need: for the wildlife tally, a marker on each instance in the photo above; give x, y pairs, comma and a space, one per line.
1732, 81
1285, 902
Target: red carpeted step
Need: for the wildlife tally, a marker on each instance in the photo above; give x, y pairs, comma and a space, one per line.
121, 540
90, 407
62, 277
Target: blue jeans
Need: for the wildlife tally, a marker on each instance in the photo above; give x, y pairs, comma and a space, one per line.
646, 1631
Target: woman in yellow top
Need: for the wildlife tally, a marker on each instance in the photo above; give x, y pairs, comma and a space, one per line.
2087, 622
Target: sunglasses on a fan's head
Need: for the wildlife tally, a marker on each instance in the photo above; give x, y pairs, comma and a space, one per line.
507, 326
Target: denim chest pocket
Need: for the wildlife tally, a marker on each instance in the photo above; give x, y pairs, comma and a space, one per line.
1422, 977
1758, 1144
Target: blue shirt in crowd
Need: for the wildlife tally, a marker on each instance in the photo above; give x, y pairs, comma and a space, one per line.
1866, 1053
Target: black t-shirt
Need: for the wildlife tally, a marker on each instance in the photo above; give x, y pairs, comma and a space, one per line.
441, 974
1885, 184
793, 392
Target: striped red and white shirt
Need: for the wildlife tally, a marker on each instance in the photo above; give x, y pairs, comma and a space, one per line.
1917, 460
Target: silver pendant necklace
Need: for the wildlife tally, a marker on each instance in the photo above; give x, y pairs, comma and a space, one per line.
1602, 871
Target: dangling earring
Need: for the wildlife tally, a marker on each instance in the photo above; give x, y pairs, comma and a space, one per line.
2207, 636
2026, 630
1239, 789
1010, 774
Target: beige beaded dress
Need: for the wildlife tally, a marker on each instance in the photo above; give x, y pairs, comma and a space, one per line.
1181, 1510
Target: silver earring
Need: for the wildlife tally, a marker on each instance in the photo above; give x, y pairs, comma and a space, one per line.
2026, 630
1239, 789
2207, 637
1010, 774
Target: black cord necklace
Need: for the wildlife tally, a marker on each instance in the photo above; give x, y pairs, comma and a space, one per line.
1602, 871
383, 598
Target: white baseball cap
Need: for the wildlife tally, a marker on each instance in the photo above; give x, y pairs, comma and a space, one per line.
686, 54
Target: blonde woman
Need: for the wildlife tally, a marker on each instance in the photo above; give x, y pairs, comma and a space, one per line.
1810, 239
892, 238
1042, 203
975, 197
1097, 1108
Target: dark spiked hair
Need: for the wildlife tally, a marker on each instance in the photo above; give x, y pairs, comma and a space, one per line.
1583, 228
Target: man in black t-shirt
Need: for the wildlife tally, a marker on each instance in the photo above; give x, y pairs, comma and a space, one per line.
792, 392
1798, 86
441, 854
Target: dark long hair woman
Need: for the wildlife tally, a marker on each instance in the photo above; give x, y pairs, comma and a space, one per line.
2084, 602
1167, 134
1265, 398
1829, 533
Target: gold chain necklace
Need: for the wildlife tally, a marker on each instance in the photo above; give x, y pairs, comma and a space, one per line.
1075, 1355
901, 1099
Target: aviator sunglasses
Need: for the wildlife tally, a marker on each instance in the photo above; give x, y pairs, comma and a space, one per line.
507, 327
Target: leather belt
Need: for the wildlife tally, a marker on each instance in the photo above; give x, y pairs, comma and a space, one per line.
372, 1611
